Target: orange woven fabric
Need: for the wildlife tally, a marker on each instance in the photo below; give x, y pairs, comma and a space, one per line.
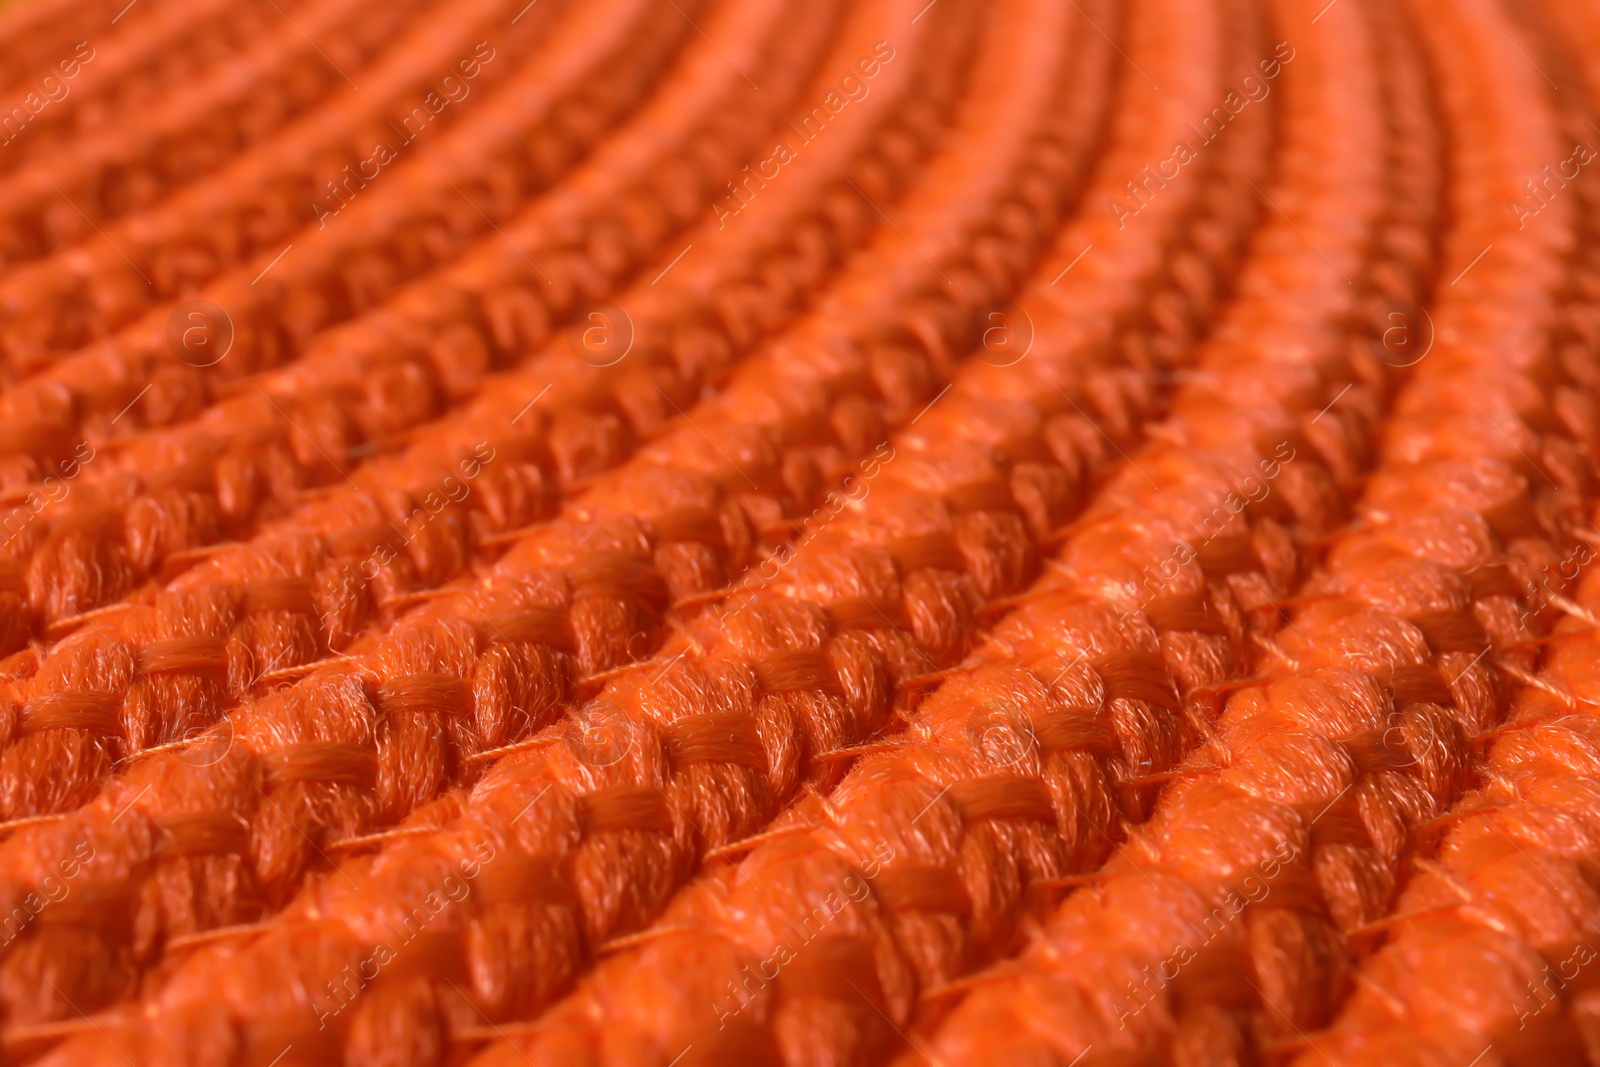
788, 531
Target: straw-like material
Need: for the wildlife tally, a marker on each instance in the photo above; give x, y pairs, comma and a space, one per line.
791, 531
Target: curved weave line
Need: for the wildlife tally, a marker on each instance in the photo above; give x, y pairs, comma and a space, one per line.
497, 662
174, 45
1307, 807
785, 719
704, 1011
439, 200
1488, 943
127, 170
945, 808
935, 217
333, 598
383, 1004
69, 565
244, 209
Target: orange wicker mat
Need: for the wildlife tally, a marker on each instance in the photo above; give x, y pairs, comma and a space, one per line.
805, 532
